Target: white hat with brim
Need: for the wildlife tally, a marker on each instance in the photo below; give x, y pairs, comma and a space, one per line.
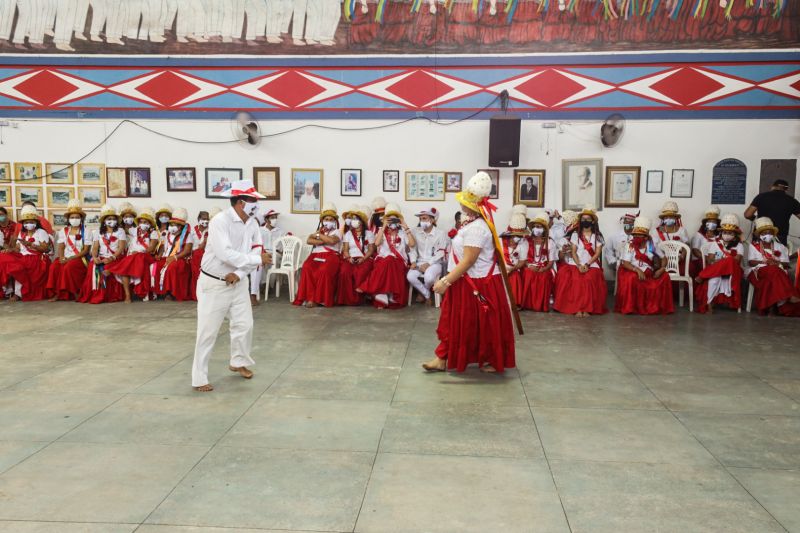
243, 188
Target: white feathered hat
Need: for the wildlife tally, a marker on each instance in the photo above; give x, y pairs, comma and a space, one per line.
478, 188
730, 222
642, 226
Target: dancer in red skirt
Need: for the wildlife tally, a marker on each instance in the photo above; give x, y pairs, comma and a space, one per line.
768, 260
163, 216
135, 267
388, 283
320, 272
172, 276
580, 286
475, 323
539, 275
127, 215
707, 233
27, 264
198, 237
73, 245
720, 282
670, 229
644, 288
358, 247
515, 253
108, 246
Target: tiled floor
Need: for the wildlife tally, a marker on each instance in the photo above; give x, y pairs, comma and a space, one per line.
684, 423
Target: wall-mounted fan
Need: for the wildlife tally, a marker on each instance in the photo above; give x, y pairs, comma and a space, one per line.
612, 129
246, 129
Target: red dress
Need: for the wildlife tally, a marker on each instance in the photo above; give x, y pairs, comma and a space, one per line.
578, 292
353, 275
363, 27
650, 296
29, 270
771, 285
174, 279
516, 279
64, 280
538, 285
727, 266
318, 278
137, 264
462, 24
388, 274
100, 285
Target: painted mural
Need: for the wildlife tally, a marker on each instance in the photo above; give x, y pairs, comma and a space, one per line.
326, 27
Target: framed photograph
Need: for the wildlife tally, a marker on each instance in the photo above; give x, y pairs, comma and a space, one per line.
452, 181
5, 172
57, 218
622, 186
391, 181
92, 196
220, 180
28, 173
582, 182
351, 182
138, 183
529, 187
655, 181
92, 218
682, 183
5, 196
182, 179
117, 182
91, 174
59, 196
268, 182
29, 194
58, 174
306, 190
424, 186
495, 175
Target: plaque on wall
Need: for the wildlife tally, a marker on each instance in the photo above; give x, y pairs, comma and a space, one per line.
729, 183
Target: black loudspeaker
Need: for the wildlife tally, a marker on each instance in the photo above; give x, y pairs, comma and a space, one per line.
504, 141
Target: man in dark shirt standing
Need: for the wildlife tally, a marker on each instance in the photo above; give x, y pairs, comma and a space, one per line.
777, 205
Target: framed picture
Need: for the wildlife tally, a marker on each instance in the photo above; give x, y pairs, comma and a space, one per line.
28, 173
5, 172
91, 174
92, 196
5, 196
351, 182
268, 182
138, 183
59, 196
582, 182
424, 186
655, 181
529, 187
622, 186
117, 182
58, 174
57, 218
452, 181
391, 181
92, 218
220, 180
495, 175
182, 179
682, 183
306, 190
29, 194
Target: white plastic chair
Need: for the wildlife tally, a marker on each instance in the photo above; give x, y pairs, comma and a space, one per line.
290, 263
305, 251
672, 250
437, 298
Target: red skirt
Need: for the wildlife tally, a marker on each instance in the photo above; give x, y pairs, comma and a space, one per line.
771, 285
471, 333
427, 28
538, 290
580, 293
135, 266
493, 29
318, 279
175, 279
462, 26
30, 271
388, 277
649, 297
8, 266
350, 277
397, 16
516, 280
107, 288
64, 280
196, 261
725, 267
363, 28
526, 26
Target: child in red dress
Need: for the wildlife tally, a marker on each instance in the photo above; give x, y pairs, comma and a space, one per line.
539, 274
768, 262
320, 272
644, 288
358, 248
719, 283
583, 290
135, 268
73, 244
108, 246
515, 253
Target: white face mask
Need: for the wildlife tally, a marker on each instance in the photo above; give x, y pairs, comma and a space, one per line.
538, 232
128, 221
30, 226
163, 219
174, 229
425, 224
273, 220
111, 223
355, 223
330, 224
251, 209
516, 239
767, 237
144, 226
203, 223
394, 226
74, 222
669, 221
711, 226
347, 222
727, 237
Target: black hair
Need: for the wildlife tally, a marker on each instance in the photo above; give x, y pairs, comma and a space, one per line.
376, 220
201, 213
3, 210
780, 183
235, 200
703, 229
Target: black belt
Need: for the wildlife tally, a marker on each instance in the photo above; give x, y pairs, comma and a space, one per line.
212, 276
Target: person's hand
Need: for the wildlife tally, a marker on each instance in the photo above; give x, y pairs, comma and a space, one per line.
63, 260
640, 273
423, 268
583, 268
360, 260
231, 279
170, 260
440, 287
556, 214
412, 266
266, 259
659, 273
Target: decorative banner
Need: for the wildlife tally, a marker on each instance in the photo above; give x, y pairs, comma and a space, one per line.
729, 183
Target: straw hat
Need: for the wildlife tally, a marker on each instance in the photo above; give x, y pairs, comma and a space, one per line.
378, 204
589, 210
764, 224
570, 218
28, 213
328, 210
541, 217
179, 216
74, 208
126, 208
730, 222
431, 212
393, 210
107, 211
669, 209
165, 208
478, 188
146, 214
712, 213
214, 212
349, 211
642, 226
517, 226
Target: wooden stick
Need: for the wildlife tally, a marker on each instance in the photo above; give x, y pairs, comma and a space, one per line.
499, 256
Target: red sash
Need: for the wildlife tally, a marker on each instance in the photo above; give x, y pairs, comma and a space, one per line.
663, 236
587, 246
725, 252
543, 257
70, 243
358, 243
393, 249
108, 242
199, 232
32, 240
140, 240
641, 256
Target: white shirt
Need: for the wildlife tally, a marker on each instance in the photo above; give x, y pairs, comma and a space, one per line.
402, 246
778, 253
108, 244
539, 257
430, 248
476, 234
699, 239
324, 248
629, 255
713, 248
679, 235
558, 230
582, 252
233, 246
39, 236
270, 237
516, 251
134, 246
196, 239
616, 247
353, 248
77, 241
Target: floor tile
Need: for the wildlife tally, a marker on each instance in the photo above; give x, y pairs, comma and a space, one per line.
96, 375
583, 358
64, 527
789, 387
776, 490
370, 383
13, 452
679, 363
607, 390
471, 386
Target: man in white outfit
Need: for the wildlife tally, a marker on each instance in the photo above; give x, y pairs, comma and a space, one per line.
256, 11
233, 250
7, 8
427, 257
279, 14
616, 246
65, 24
232, 21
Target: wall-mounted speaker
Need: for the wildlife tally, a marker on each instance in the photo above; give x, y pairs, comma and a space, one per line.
504, 132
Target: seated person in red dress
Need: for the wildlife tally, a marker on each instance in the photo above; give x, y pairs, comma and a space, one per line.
127, 215
135, 268
358, 249
708, 232
26, 266
73, 244
720, 282
108, 246
768, 262
320, 273
173, 275
198, 238
539, 274
644, 288
670, 229
515, 252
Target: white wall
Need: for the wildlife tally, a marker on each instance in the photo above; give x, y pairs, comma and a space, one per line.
462, 147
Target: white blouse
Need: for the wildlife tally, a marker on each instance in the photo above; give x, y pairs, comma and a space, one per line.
109, 244
476, 234
353, 246
401, 246
713, 248
629, 254
336, 248
539, 258
516, 252
582, 252
778, 253
39, 236
679, 235
134, 244
64, 236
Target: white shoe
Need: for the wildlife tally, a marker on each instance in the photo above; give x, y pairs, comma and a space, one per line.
96, 38
64, 47
311, 41
50, 33
182, 40
382, 299
274, 40
298, 42
80, 36
157, 39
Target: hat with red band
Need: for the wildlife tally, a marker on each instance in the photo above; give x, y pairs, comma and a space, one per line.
243, 188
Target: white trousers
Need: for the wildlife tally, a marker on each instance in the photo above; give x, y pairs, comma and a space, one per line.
430, 276
232, 19
50, 14
313, 20
256, 11
65, 21
81, 14
7, 8
299, 9
215, 301
167, 12
191, 18
329, 19
25, 10
137, 13
153, 23
279, 13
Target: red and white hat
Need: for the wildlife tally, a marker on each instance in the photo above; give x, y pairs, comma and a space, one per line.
271, 213
431, 212
243, 188
629, 215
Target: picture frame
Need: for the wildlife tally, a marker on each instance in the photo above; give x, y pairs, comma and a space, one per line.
27, 193
116, 182
268, 182
59, 174
532, 196
391, 181
220, 180
28, 173
424, 186
92, 219
6, 196
92, 197
58, 218
181, 179
453, 181
350, 182
5, 173
655, 181
682, 185
138, 182
622, 186
494, 173
582, 182
307, 190
59, 197
91, 174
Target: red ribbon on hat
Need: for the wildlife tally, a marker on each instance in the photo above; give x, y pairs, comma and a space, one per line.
246, 192
488, 207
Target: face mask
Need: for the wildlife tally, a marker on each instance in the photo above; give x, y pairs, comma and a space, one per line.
669, 221
174, 229
144, 226
538, 232
767, 237
128, 221
3, 218
516, 239
111, 223
273, 220
251, 209
163, 219
30, 226
355, 223
638, 241
727, 237
628, 227
586, 223
203, 223
347, 222
711, 226
74, 222
393, 226
330, 224
425, 224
